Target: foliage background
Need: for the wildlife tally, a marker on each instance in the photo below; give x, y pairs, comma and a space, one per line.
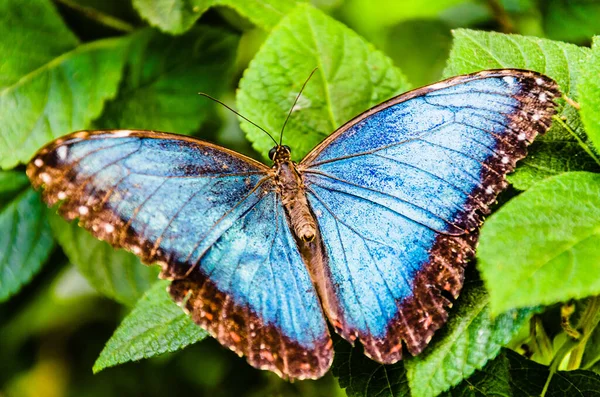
73, 64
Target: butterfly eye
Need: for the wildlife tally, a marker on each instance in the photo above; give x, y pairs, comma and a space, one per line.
286, 147
272, 153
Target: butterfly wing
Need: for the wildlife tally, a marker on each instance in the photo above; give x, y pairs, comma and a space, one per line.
399, 193
211, 218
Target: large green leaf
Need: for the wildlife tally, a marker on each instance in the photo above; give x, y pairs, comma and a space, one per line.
163, 77
156, 325
178, 16
543, 246
363, 377
558, 151
589, 94
62, 95
30, 37
351, 77
469, 340
115, 273
25, 237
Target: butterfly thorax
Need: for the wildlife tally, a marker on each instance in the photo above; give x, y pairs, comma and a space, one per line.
292, 192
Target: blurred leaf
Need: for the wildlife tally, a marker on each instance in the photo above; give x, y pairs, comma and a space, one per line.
572, 20
469, 340
66, 303
163, 77
25, 237
115, 273
589, 94
370, 16
555, 225
429, 43
351, 78
11, 183
491, 380
30, 37
473, 51
60, 96
156, 325
177, 16
363, 377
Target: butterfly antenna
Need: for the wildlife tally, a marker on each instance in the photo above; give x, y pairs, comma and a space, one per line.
294, 105
235, 112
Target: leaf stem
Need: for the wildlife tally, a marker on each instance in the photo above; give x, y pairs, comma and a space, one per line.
589, 321
100, 17
539, 338
579, 140
501, 16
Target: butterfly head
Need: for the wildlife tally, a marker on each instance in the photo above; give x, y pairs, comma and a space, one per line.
280, 153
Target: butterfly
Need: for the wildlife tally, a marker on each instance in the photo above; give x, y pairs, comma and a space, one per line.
372, 230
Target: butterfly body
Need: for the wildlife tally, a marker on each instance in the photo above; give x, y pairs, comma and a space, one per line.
372, 230
291, 190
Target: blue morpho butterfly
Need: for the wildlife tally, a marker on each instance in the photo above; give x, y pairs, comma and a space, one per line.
372, 230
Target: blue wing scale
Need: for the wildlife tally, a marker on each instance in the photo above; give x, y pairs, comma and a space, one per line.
400, 192
212, 220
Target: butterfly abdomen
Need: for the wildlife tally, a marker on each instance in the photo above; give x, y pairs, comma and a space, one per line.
293, 196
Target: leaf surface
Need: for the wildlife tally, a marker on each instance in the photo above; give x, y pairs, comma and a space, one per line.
469, 340
352, 77
163, 77
589, 94
25, 237
542, 246
156, 325
178, 16
117, 274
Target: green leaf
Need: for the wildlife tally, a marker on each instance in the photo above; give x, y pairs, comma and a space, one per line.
30, 37
473, 51
351, 78
363, 377
60, 96
589, 94
362, 13
555, 225
511, 374
464, 345
11, 183
25, 237
491, 380
115, 273
178, 16
429, 39
163, 77
156, 325
528, 379
573, 21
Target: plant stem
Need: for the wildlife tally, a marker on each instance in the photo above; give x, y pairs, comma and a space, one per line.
501, 16
589, 321
581, 142
100, 17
